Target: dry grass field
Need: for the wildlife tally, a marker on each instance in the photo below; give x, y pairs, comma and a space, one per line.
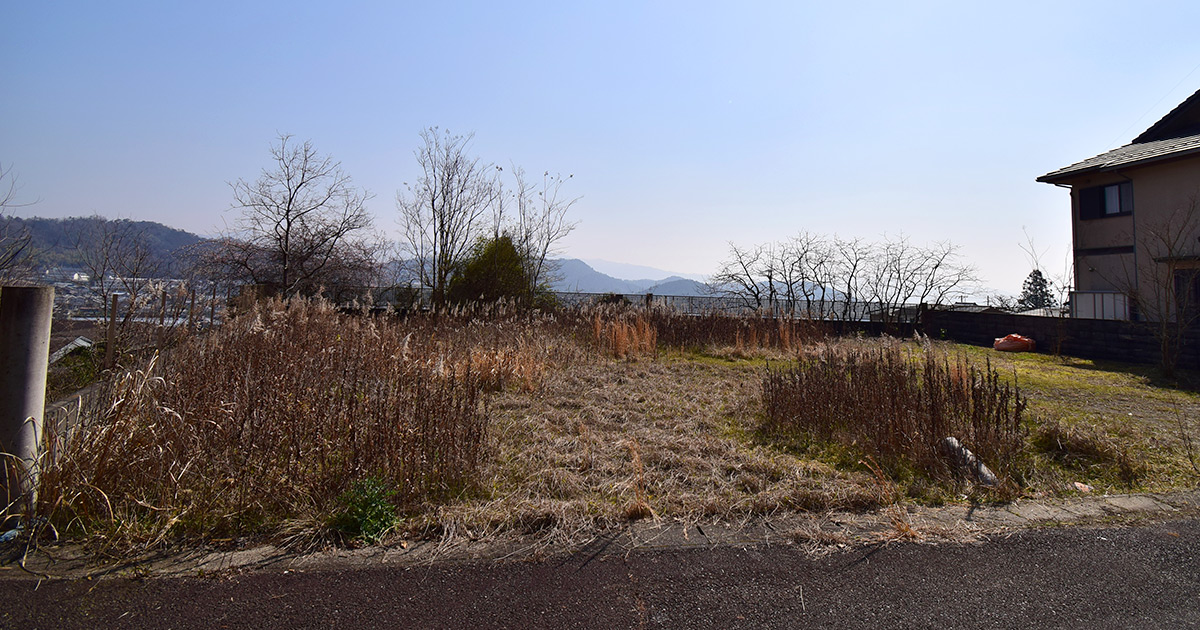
301, 425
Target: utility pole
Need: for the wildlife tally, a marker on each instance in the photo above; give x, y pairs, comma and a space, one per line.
25, 316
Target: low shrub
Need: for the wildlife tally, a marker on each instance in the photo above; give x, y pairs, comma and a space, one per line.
366, 511
896, 407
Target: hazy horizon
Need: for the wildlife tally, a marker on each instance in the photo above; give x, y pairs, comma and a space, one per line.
686, 126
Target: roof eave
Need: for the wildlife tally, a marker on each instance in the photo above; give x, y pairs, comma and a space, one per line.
1056, 177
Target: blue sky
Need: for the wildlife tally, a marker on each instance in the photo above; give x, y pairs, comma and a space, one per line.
686, 124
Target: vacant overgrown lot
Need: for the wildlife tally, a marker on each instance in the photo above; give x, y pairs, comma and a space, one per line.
299, 424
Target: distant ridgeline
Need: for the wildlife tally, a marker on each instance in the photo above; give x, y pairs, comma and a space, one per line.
573, 275
62, 242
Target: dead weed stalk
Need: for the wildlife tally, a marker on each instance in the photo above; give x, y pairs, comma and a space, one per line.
266, 421
896, 407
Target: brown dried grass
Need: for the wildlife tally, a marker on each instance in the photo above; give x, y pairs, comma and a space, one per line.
897, 405
487, 421
268, 420
606, 443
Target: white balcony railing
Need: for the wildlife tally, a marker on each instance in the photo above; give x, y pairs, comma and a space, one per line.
1099, 305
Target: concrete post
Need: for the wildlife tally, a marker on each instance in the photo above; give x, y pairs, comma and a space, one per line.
110, 347
162, 321
25, 316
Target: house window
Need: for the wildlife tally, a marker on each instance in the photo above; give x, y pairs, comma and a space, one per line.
1187, 294
1112, 200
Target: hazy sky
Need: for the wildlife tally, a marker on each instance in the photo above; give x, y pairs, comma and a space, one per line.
686, 124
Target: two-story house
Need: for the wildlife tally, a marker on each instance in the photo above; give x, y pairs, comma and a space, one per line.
1135, 222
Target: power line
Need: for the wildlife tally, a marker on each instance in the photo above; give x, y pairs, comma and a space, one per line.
1153, 107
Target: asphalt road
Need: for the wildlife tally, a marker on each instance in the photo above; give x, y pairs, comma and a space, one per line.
1135, 577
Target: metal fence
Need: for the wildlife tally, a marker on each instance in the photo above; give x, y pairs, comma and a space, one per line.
202, 304
406, 298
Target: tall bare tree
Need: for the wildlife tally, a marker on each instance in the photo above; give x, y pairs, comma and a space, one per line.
303, 225
743, 276
809, 271
900, 273
851, 258
540, 223
943, 274
15, 237
117, 258
441, 212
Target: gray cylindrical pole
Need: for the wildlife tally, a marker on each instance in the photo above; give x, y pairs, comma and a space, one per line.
25, 315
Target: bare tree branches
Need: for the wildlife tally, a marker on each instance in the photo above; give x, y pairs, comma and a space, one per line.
443, 213
303, 225
440, 212
742, 276
15, 242
541, 222
1164, 285
823, 278
117, 258
15, 238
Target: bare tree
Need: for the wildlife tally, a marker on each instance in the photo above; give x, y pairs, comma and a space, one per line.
811, 270
15, 237
116, 257
900, 274
788, 272
541, 222
15, 242
851, 257
891, 276
742, 276
441, 212
943, 274
815, 272
1165, 285
303, 227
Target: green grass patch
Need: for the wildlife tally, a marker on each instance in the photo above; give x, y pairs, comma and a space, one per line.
366, 511
1114, 426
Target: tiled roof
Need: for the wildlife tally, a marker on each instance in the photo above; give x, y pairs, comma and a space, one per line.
1184, 120
1129, 155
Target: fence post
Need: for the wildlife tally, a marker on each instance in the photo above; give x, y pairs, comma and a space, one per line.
162, 320
212, 307
25, 316
192, 312
111, 344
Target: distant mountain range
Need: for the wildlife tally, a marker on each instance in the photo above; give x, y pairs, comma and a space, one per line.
58, 242
576, 276
626, 270
55, 243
